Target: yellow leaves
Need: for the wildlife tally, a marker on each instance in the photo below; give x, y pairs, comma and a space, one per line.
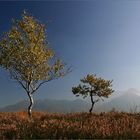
24, 52
94, 86
24, 49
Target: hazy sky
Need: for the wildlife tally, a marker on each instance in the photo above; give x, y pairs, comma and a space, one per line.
96, 36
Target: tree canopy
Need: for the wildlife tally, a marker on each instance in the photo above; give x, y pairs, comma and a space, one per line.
94, 87
25, 53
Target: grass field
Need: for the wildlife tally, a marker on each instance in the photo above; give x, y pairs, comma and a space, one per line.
69, 126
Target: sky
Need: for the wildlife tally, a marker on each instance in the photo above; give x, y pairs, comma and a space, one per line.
99, 37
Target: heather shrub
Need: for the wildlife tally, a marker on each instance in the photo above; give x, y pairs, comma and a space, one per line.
69, 126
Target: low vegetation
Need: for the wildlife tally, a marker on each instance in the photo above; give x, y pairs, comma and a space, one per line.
76, 126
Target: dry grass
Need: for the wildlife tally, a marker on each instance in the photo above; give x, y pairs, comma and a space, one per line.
69, 126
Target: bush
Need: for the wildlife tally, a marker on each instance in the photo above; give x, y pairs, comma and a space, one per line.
69, 126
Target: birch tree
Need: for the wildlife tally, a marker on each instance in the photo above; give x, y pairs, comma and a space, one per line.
26, 55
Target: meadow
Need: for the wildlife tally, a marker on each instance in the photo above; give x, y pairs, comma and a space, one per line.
69, 126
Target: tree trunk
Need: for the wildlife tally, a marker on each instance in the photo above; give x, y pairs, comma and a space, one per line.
30, 105
90, 111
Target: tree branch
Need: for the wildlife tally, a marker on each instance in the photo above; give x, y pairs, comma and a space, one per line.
41, 84
16, 78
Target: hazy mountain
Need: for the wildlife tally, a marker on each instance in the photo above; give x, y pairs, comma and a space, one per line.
121, 100
50, 105
126, 101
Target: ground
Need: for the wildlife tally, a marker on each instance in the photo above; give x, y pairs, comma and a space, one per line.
69, 126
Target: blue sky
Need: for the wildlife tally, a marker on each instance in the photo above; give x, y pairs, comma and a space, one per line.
99, 37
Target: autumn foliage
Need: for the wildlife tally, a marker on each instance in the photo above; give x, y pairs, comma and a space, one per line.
94, 87
76, 126
27, 56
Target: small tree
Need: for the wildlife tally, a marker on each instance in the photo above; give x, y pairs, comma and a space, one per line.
93, 87
25, 54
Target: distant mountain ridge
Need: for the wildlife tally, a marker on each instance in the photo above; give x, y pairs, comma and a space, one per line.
50, 105
126, 101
